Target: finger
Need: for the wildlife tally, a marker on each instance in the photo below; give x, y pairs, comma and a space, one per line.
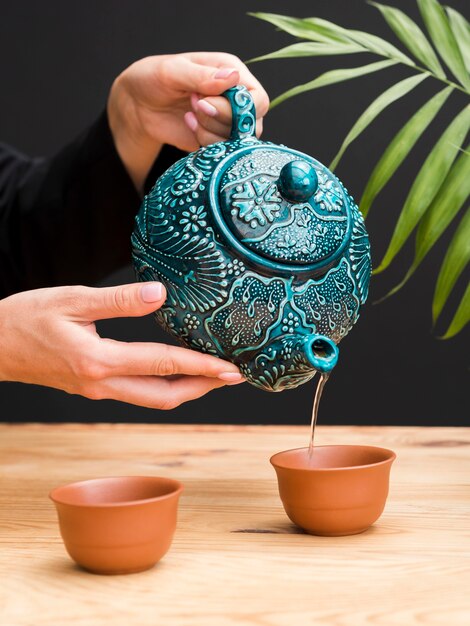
201, 135
222, 59
259, 127
133, 300
156, 393
156, 359
224, 109
221, 131
185, 75
212, 124
191, 122
206, 138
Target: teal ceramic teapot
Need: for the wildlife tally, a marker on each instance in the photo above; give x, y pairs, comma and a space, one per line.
263, 253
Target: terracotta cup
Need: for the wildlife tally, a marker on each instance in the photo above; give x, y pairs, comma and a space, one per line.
118, 525
339, 490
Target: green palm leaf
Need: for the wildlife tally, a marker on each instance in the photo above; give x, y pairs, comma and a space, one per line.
310, 49
315, 29
443, 38
447, 203
385, 99
301, 28
400, 147
411, 36
370, 42
461, 29
443, 182
455, 261
329, 78
461, 317
427, 183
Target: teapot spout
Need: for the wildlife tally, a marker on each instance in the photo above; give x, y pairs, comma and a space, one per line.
287, 362
322, 353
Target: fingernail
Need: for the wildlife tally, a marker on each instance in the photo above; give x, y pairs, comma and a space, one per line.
191, 121
153, 292
231, 377
207, 108
225, 72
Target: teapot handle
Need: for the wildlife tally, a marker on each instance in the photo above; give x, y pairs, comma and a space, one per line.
243, 112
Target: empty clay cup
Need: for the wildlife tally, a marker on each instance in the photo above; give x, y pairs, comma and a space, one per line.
338, 490
118, 525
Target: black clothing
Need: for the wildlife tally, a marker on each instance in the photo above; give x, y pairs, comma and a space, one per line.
68, 219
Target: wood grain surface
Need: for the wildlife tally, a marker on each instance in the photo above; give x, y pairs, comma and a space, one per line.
236, 558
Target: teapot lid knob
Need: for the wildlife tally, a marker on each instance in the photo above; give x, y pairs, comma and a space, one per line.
243, 112
298, 181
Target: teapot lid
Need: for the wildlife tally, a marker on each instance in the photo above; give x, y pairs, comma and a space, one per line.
277, 206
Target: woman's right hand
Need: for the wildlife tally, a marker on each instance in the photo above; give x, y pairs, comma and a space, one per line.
48, 337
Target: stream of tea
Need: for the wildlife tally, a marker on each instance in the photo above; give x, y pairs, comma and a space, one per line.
316, 402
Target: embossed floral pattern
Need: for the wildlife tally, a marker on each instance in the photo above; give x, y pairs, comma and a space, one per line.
257, 201
304, 220
286, 352
329, 195
193, 219
286, 240
290, 323
203, 346
245, 370
235, 267
191, 321
165, 317
309, 246
338, 233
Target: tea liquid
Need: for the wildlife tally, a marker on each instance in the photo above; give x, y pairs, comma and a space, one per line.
316, 402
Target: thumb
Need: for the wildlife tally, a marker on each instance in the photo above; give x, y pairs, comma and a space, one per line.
206, 80
132, 300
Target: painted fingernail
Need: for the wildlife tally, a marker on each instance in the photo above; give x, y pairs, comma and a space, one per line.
231, 377
191, 121
207, 108
225, 72
152, 292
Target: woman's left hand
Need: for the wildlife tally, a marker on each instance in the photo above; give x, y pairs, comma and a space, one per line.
175, 99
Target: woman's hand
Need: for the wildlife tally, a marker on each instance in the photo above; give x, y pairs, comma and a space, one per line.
48, 337
175, 99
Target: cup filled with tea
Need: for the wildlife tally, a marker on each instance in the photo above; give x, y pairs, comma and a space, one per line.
334, 490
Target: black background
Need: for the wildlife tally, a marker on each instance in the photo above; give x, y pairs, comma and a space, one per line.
58, 60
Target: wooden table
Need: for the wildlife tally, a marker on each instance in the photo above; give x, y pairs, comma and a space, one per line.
236, 558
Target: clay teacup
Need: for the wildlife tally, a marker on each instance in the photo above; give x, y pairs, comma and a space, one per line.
339, 490
118, 525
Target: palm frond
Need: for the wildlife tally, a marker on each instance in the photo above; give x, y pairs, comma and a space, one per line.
388, 97
368, 41
329, 78
461, 317
411, 36
450, 198
455, 261
301, 28
310, 49
427, 183
400, 147
443, 38
442, 184
461, 29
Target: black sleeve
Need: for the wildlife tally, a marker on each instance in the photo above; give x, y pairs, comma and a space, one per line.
68, 219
